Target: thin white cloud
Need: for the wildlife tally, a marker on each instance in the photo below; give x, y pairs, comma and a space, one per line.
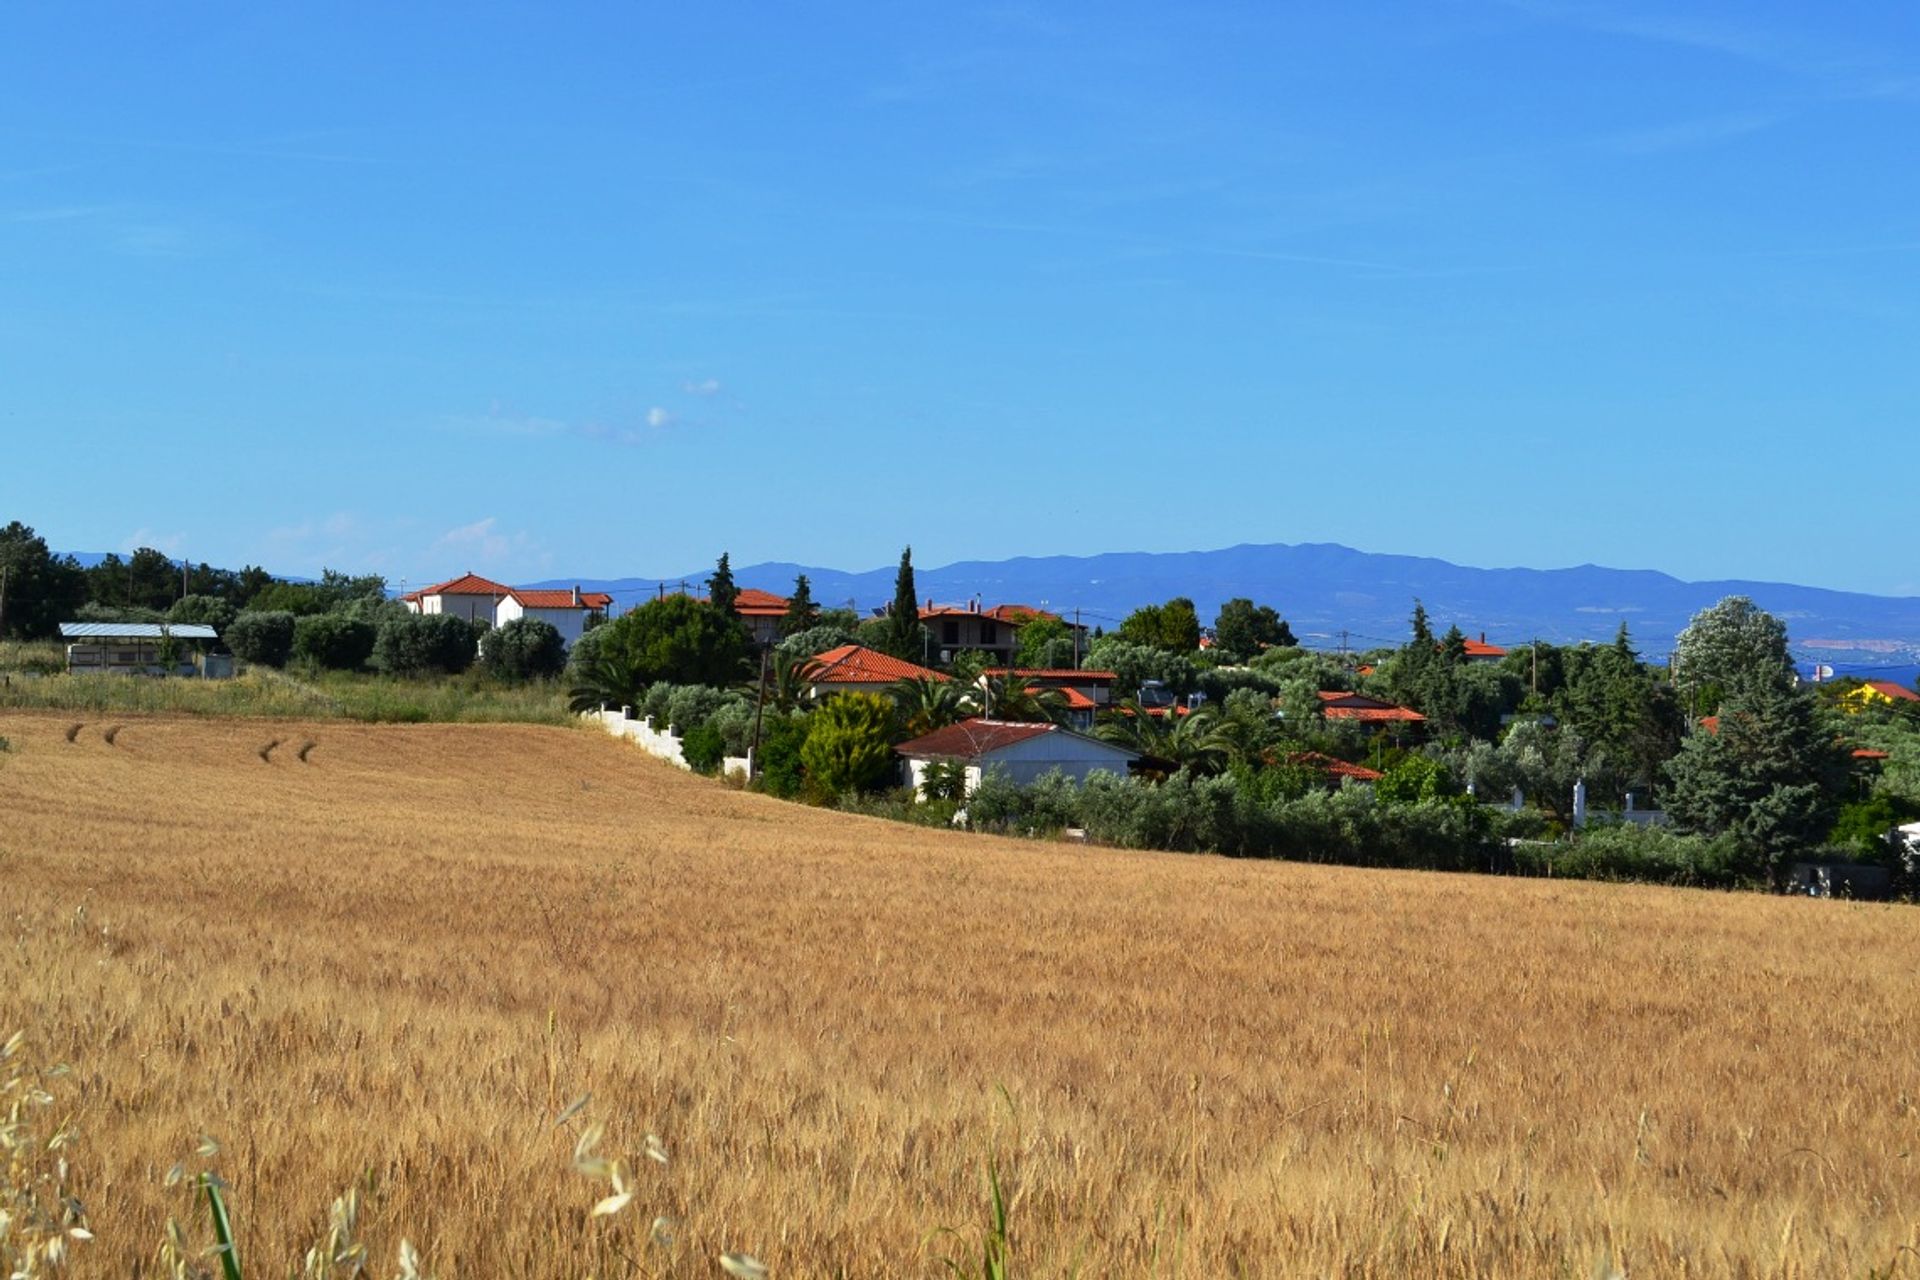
658, 417
702, 387
58, 213
1685, 135
1850, 70
483, 539
171, 543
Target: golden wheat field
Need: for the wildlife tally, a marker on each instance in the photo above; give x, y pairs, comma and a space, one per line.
392, 964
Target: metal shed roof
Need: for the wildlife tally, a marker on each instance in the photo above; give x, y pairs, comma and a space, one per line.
136, 631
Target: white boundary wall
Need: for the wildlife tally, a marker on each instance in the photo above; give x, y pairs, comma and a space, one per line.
662, 744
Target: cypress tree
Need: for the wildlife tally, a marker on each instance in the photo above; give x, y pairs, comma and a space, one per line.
721, 593
802, 612
904, 619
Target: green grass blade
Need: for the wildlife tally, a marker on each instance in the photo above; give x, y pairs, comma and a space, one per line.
222, 1229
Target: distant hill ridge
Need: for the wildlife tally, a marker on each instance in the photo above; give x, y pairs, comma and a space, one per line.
1324, 589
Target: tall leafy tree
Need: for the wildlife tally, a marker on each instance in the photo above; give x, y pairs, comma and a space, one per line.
38, 590
1243, 629
1173, 626
678, 639
802, 613
1733, 649
1770, 774
1045, 643
722, 594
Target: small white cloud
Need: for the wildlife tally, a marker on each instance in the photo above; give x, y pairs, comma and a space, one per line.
702, 387
658, 417
170, 543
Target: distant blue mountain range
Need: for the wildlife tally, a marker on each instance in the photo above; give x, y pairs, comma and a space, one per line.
1334, 595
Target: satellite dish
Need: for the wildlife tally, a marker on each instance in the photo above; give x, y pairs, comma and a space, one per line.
1821, 671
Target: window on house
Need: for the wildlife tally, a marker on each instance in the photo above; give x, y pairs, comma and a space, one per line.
989, 632
950, 631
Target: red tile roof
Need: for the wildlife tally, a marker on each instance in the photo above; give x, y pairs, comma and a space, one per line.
1356, 706
467, 584
1481, 649
1888, 689
754, 603
472, 584
1014, 615
1072, 699
971, 739
1335, 767
1868, 753
857, 664
1018, 614
559, 598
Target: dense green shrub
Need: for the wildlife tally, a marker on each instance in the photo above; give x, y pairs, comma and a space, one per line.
333, 641
702, 747
1051, 803
817, 639
261, 637
1135, 664
777, 767
1220, 682
208, 611
849, 744
586, 649
1623, 851
417, 643
901, 804
692, 705
524, 649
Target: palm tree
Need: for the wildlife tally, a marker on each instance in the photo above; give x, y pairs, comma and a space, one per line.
1193, 742
789, 680
609, 680
1009, 697
927, 704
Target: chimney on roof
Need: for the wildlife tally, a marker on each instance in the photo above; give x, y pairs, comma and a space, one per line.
576, 595
929, 602
1483, 637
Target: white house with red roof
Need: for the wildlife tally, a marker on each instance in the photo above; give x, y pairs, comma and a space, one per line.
763, 612
1480, 651
494, 604
854, 668
1024, 751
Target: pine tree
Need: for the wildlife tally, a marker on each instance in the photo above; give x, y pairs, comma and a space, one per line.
1422, 630
721, 593
802, 612
1770, 773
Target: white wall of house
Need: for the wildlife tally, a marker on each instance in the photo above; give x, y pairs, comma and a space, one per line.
571, 623
827, 688
472, 608
1026, 761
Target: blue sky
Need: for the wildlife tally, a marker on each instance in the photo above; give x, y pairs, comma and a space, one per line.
557, 291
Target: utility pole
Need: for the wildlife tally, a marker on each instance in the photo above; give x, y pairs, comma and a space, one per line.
753, 752
183, 577
1534, 651
5, 568
1076, 637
